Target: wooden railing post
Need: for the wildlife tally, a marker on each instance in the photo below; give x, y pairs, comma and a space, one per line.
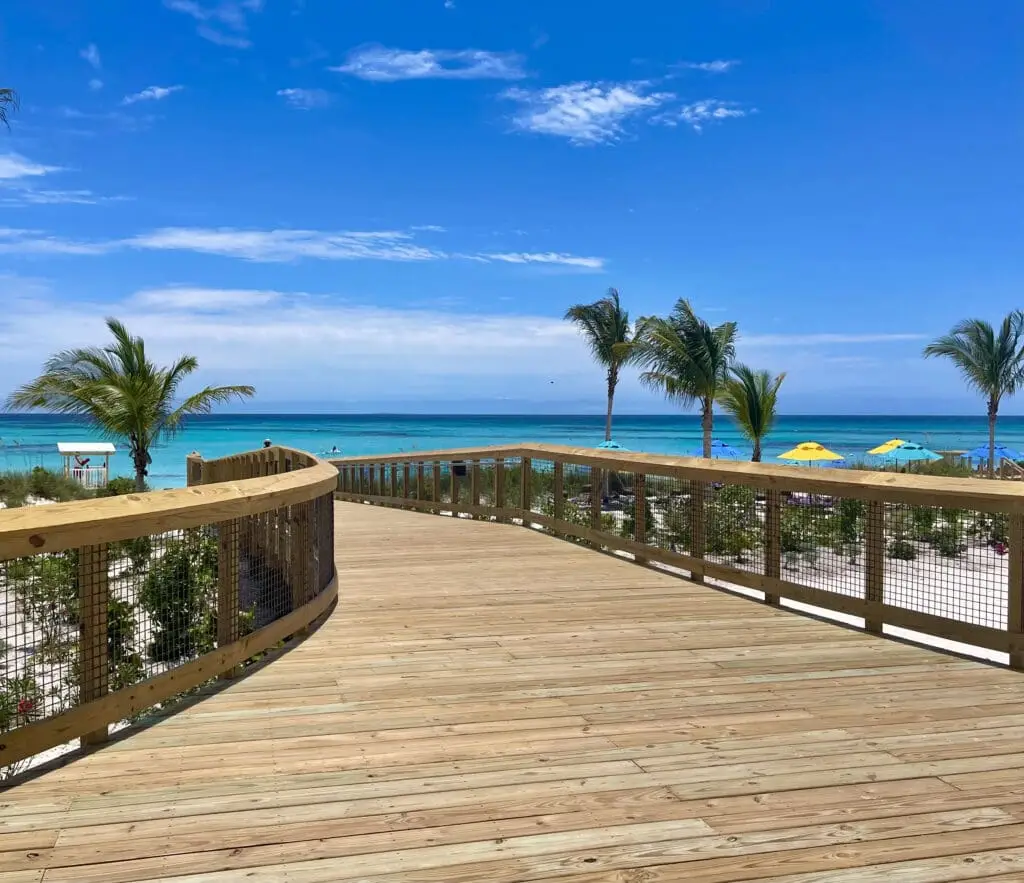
596, 483
93, 653
474, 483
394, 479
525, 489
453, 482
227, 586
421, 480
1015, 590
436, 490
640, 513
193, 469
559, 493
773, 542
406, 486
698, 524
874, 566
499, 486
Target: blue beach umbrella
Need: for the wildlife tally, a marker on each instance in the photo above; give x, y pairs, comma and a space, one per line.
720, 451
611, 445
1002, 452
908, 452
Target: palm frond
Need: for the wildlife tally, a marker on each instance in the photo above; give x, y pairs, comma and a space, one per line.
605, 327
991, 362
751, 398
8, 104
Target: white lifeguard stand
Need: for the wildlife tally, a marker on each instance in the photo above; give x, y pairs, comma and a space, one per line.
80, 462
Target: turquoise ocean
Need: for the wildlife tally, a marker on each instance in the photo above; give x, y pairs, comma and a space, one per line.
31, 440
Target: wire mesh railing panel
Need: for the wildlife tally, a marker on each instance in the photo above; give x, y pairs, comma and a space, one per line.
822, 542
673, 505
947, 562
542, 486
577, 490
734, 534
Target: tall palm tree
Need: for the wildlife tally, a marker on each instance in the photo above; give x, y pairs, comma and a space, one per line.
8, 104
121, 391
687, 359
991, 363
750, 397
605, 325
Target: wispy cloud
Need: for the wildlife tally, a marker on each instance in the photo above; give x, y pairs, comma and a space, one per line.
91, 55
203, 300
548, 257
276, 246
13, 166
719, 66
36, 242
151, 93
585, 113
384, 65
95, 84
224, 23
305, 99
700, 113
273, 246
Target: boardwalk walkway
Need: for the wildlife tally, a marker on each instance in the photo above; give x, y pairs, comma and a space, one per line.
490, 704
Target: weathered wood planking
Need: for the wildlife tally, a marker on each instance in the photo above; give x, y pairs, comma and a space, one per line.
489, 703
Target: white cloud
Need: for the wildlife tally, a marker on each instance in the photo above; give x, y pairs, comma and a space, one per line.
32, 196
203, 300
13, 166
585, 113
700, 113
385, 65
719, 66
429, 228
92, 56
549, 257
271, 246
276, 246
224, 23
305, 99
35, 242
95, 84
151, 93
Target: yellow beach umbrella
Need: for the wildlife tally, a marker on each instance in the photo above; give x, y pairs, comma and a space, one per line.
809, 452
890, 445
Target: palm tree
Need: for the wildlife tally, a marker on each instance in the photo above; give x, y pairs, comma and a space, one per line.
991, 363
121, 391
606, 327
750, 397
687, 359
8, 104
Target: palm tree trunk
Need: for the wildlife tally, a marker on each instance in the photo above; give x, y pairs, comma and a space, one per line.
993, 409
757, 451
141, 460
612, 381
706, 425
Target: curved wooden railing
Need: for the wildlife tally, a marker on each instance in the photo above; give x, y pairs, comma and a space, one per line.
113, 605
916, 556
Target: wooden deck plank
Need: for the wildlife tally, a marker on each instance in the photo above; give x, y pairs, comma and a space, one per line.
491, 703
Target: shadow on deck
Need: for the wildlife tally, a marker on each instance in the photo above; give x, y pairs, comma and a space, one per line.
489, 703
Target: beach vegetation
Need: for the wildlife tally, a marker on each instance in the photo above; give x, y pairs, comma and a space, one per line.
41, 484
733, 525
686, 359
901, 550
607, 330
118, 486
180, 595
991, 362
122, 392
627, 529
751, 398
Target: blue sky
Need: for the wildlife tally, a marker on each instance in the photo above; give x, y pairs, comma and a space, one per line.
388, 204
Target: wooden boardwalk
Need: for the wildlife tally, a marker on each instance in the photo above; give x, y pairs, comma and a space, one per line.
490, 704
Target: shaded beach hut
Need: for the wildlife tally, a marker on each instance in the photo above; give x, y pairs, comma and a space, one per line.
82, 462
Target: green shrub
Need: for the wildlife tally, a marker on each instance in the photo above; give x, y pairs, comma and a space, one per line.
118, 487
902, 550
732, 523
126, 666
180, 595
922, 520
628, 527
20, 702
50, 485
138, 550
947, 541
46, 587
